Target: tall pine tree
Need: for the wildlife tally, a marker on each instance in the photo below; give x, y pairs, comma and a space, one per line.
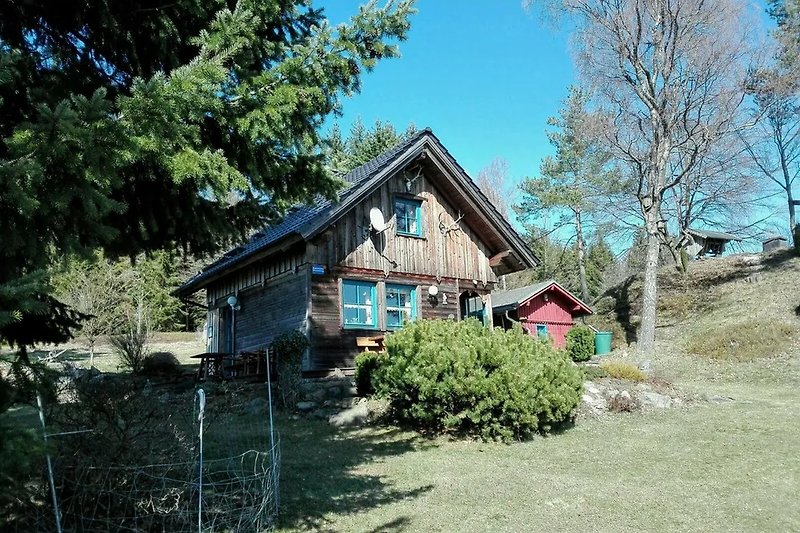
572, 182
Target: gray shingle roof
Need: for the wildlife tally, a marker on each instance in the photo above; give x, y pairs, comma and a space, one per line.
306, 220
514, 297
506, 300
708, 234
299, 216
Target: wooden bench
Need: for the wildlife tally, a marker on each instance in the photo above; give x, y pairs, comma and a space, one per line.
370, 344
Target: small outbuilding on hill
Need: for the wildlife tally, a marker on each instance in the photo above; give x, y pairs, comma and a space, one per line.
545, 309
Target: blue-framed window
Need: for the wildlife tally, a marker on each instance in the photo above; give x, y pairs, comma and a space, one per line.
409, 216
359, 304
401, 305
541, 331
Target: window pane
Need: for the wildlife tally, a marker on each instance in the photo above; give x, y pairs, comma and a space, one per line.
351, 315
392, 297
393, 318
366, 315
350, 295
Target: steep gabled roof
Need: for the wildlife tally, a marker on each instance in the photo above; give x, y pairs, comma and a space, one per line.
306, 221
509, 300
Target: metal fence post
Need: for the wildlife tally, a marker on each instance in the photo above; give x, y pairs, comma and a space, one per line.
50, 475
272, 435
201, 395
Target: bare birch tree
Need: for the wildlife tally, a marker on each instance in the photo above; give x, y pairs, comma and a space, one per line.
493, 181
668, 74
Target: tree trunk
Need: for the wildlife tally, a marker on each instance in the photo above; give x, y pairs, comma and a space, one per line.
647, 328
91, 355
581, 255
792, 219
787, 179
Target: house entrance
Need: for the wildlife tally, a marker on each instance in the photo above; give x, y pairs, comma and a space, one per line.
471, 305
226, 329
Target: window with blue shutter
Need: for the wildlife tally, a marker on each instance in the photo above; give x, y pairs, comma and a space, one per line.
401, 305
409, 217
359, 304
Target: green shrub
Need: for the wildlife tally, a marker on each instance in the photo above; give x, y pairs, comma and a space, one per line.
592, 372
580, 343
463, 378
289, 348
160, 364
622, 370
366, 364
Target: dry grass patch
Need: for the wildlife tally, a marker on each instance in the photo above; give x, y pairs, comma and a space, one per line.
622, 370
744, 341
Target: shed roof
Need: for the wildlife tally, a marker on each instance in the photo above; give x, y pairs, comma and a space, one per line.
508, 300
305, 221
709, 234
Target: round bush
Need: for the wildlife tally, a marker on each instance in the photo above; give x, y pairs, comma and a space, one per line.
580, 343
366, 363
460, 377
160, 364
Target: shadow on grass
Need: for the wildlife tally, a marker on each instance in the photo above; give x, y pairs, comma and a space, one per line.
320, 472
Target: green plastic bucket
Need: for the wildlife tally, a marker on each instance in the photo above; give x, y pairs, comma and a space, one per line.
602, 342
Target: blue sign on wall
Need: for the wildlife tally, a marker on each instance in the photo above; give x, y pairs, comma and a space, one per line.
318, 270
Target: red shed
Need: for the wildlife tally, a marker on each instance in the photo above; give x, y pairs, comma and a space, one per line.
545, 308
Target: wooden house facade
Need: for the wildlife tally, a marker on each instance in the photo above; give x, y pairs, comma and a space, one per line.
329, 271
545, 309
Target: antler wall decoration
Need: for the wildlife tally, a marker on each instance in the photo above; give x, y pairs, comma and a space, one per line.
410, 181
445, 229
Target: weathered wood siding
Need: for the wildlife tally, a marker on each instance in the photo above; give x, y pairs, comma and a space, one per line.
255, 277
457, 253
332, 346
268, 311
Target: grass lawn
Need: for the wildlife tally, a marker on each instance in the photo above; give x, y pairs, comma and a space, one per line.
729, 466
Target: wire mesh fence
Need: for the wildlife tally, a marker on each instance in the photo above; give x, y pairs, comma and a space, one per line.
128, 459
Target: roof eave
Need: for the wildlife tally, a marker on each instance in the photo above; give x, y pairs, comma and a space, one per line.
517, 246
282, 244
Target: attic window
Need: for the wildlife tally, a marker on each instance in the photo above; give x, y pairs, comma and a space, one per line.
409, 217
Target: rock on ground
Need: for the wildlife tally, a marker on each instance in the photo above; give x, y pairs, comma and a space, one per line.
357, 415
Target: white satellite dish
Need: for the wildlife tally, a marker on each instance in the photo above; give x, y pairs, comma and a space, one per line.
376, 220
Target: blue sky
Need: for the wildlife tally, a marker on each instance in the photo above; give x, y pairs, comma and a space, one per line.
484, 75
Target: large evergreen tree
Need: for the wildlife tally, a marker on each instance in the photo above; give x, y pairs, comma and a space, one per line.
125, 126
133, 126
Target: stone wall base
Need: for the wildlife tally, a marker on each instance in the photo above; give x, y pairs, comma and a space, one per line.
333, 388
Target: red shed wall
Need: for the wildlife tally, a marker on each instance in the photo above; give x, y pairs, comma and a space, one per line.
555, 313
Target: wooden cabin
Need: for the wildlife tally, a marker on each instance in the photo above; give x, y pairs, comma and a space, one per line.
545, 309
709, 243
411, 236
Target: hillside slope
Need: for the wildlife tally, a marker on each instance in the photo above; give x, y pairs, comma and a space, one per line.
740, 307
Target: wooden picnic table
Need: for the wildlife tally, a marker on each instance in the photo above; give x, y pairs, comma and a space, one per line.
223, 365
210, 365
